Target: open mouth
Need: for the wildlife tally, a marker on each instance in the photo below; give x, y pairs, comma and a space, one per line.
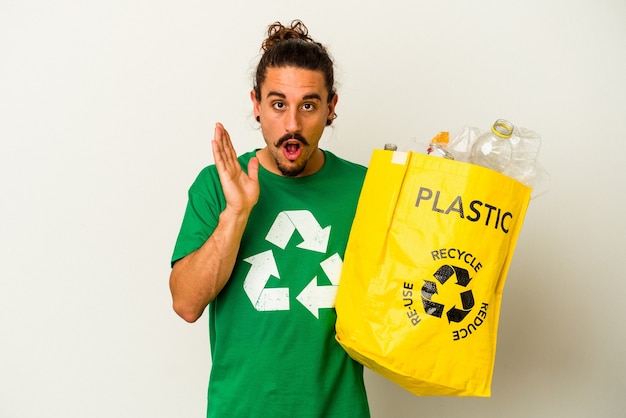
292, 150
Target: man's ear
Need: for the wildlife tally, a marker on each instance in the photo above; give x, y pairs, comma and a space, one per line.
256, 105
331, 109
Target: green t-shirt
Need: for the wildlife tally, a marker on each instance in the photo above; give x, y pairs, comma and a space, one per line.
272, 327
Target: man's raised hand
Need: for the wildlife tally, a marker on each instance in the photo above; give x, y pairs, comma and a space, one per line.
241, 190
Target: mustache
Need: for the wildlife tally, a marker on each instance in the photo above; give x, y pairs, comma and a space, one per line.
287, 137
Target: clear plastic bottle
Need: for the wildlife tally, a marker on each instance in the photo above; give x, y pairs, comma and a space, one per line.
523, 167
493, 149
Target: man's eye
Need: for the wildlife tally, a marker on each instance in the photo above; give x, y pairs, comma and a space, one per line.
308, 106
278, 105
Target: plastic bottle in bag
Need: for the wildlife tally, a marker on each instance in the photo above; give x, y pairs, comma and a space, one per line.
525, 150
493, 149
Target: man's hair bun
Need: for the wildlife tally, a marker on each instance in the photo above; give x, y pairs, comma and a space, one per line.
277, 32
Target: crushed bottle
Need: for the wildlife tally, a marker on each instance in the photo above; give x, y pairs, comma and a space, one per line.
525, 146
506, 148
509, 149
438, 144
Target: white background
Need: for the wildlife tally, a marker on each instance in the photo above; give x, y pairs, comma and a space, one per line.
106, 115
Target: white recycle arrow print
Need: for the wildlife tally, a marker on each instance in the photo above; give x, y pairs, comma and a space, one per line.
264, 267
314, 297
315, 237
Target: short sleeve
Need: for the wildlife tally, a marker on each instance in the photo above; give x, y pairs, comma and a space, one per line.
204, 205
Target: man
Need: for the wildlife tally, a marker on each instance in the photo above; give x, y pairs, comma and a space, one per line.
262, 244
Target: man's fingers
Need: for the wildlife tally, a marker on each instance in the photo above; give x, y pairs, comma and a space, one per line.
225, 148
217, 153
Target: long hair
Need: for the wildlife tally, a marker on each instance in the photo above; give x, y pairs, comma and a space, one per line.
293, 47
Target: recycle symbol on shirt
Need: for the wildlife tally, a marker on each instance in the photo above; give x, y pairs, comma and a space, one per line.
263, 266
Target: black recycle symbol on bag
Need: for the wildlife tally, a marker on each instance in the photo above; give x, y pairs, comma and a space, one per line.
442, 275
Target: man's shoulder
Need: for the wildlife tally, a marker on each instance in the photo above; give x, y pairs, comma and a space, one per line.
343, 164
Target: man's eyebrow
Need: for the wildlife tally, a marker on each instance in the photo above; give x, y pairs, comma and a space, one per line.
311, 96
275, 93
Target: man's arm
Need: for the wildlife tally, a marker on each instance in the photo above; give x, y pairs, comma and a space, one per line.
196, 279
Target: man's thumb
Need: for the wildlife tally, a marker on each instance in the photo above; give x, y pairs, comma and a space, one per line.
253, 168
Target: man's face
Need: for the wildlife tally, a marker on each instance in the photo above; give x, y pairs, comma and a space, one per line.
293, 111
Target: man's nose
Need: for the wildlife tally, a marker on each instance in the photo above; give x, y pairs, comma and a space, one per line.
292, 123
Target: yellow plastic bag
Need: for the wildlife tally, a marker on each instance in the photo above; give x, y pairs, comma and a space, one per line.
424, 269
